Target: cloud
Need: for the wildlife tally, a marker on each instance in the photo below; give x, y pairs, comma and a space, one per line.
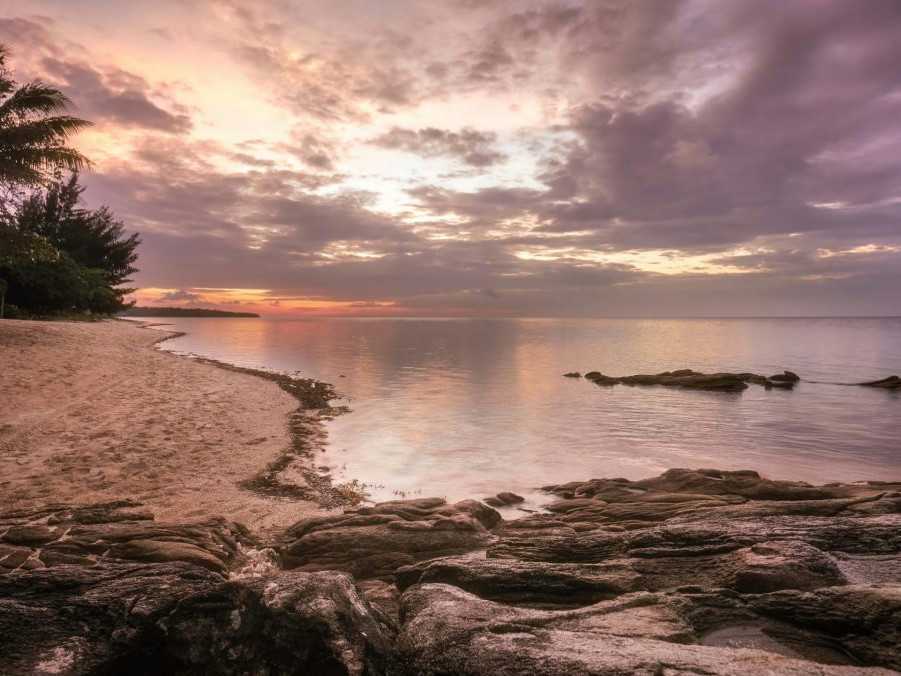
181, 296
102, 93
115, 96
473, 147
609, 157
312, 151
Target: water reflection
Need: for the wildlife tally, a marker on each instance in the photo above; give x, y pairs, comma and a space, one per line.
469, 407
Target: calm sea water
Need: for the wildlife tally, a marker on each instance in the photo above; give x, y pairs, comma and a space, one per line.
466, 408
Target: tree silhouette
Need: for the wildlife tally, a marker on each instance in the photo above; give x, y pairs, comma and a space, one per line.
33, 133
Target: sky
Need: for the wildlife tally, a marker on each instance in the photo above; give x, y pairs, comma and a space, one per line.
488, 157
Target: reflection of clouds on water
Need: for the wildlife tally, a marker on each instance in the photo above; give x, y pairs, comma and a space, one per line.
462, 408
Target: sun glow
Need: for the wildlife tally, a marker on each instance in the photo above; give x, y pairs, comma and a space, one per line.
660, 261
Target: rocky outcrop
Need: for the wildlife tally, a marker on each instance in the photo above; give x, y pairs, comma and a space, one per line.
694, 380
693, 571
373, 542
504, 499
890, 383
104, 589
113, 532
450, 631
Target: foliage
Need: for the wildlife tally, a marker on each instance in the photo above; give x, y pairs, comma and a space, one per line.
59, 257
94, 239
33, 133
55, 256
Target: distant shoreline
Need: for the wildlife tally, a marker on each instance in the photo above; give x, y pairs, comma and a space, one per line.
182, 312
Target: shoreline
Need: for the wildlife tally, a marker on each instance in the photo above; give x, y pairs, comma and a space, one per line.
306, 430
96, 411
692, 571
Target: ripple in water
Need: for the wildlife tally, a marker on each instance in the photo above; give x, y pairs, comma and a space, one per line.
467, 408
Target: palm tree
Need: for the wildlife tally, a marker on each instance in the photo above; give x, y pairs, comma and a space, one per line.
33, 134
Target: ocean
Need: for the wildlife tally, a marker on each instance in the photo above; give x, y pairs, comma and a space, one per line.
469, 407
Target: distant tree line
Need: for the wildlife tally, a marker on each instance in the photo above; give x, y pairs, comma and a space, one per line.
183, 312
56, 257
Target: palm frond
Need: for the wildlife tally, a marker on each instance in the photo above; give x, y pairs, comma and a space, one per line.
34, 98
33, 135
45, 130
30, 166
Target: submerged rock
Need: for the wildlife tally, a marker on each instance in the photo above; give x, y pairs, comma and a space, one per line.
786, 376
890, 383
686, 378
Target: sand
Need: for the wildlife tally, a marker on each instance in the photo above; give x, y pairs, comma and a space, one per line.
94, 412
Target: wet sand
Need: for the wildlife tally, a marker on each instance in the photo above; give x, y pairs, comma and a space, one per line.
93, 412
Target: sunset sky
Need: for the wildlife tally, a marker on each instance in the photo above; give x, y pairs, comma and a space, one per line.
489, 158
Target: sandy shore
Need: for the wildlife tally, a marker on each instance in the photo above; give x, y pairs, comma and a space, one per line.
92, 412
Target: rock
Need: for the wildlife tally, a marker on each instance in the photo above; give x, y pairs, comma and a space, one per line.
449, 631
182, 619
599, 378
504, 499
694, 380
785, 377
863, 619
693, 571
572, 374
771, 566
290, 622
525, 582
372, 542
890, 383
122, 594
115, 531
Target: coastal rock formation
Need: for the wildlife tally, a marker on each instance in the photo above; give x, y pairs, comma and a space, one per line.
104, 589
694, 380
504, 499
448, 630
373, 542
697, 571
693, 571
113, 532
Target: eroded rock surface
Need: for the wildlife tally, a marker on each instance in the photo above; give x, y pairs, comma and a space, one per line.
105, 589
690, 572
373, 542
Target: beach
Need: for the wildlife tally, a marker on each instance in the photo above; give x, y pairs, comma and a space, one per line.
152, 520
93, 412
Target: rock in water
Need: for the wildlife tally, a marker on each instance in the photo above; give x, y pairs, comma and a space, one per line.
890, 383
694, 380
504, 499
786, 377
